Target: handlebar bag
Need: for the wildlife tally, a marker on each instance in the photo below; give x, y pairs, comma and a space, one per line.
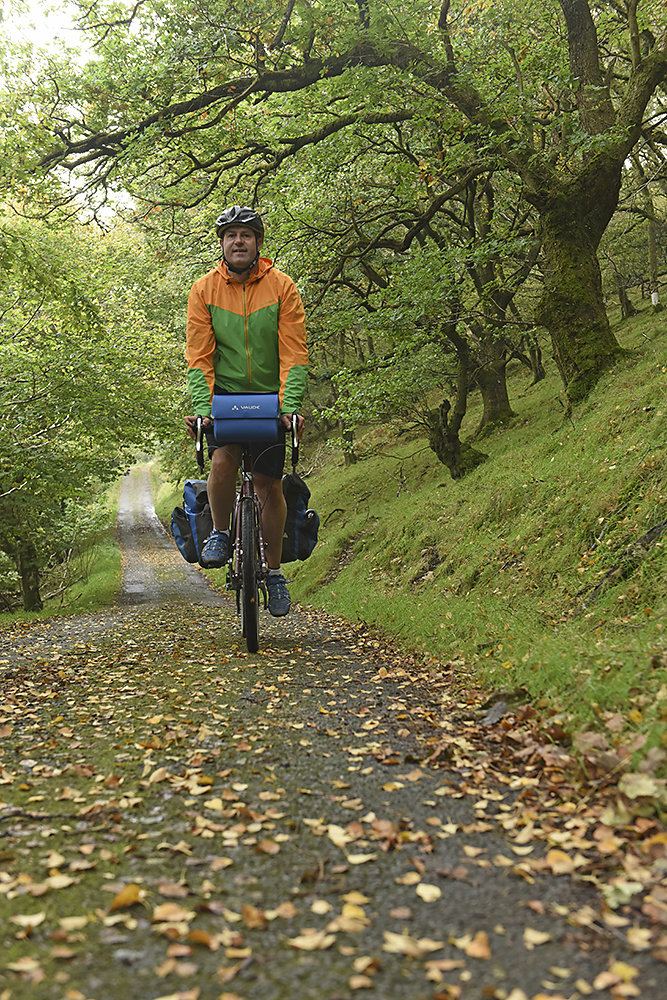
246, 417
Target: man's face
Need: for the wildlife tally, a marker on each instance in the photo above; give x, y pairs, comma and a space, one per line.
240, 245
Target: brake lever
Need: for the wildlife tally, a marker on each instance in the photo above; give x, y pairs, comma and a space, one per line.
199, 442
295, 440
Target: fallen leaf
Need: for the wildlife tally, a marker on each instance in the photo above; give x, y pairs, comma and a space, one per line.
314, 941
268, 847
429, 893
359, 982
479, 946
404, 944
128, 896
172, 913
533, 938
28, 920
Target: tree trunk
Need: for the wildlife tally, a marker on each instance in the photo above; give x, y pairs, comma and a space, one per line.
347, 437
443, 438
28, 569
627, 308
653, 257
443, 434
492, 382
572, 307
536, 364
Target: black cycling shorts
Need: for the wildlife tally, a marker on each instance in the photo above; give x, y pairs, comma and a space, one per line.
267, 458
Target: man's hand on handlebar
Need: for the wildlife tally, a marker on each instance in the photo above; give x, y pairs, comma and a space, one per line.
300, 423
190, 423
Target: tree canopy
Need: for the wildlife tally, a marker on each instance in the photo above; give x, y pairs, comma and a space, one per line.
183, 104
439, 178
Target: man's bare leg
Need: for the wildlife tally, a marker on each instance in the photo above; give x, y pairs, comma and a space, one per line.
222, 484
274, 515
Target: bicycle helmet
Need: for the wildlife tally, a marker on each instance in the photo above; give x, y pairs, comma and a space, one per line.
239, 215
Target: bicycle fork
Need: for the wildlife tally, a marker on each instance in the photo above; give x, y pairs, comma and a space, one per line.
246, 492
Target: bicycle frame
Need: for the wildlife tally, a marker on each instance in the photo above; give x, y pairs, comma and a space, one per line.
246, 491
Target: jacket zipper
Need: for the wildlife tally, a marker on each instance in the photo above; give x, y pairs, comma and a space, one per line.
246, 333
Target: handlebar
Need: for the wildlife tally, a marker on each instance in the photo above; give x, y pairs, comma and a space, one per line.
199, 440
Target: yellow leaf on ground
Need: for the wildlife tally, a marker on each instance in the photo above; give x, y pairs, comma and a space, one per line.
202, 937
429, 893
403, 944
410, 878
128, 896
251, 916
366, 964
172, 913
268, 847
315, 941
355, 897
24, 965
338, 835
559, 862
359, 982
73, 923
533, 938
28, 920
479, 946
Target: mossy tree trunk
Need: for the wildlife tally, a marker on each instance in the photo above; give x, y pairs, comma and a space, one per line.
492, 381
627, 308
28, 569
443, 432
572, 308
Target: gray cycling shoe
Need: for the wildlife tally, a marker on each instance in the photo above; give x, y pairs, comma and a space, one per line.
215, 551
279, 599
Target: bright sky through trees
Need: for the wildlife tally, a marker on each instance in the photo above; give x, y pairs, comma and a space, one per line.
40, 24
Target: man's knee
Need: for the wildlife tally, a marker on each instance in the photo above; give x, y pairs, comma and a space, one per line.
224, 463
271, 489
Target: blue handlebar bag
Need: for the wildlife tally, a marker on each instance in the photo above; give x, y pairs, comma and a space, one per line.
250, 417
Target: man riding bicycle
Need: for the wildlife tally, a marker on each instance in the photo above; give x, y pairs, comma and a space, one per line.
246, 333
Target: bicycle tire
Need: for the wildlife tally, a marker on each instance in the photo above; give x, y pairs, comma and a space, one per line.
249, 575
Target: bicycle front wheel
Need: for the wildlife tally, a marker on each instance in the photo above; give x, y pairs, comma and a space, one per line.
249, 575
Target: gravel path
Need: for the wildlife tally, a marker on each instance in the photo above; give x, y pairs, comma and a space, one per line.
184, 821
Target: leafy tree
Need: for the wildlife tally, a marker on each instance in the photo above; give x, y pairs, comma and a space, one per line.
85, 370
183, 103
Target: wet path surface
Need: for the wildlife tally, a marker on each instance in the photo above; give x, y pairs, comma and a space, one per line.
182, 820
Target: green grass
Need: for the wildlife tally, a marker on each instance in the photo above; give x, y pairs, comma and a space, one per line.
166, 495
500, 568
100, 570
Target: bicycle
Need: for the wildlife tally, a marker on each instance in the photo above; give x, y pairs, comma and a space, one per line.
247, 566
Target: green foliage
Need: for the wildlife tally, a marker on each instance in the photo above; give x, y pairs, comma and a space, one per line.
85, 380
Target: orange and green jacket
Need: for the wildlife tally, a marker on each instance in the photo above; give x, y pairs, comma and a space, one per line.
246, 337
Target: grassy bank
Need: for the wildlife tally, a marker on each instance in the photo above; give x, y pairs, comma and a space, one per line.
537, 568
96, 573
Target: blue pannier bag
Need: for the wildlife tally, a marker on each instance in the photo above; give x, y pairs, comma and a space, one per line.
192, 523
302, 523
245, 417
